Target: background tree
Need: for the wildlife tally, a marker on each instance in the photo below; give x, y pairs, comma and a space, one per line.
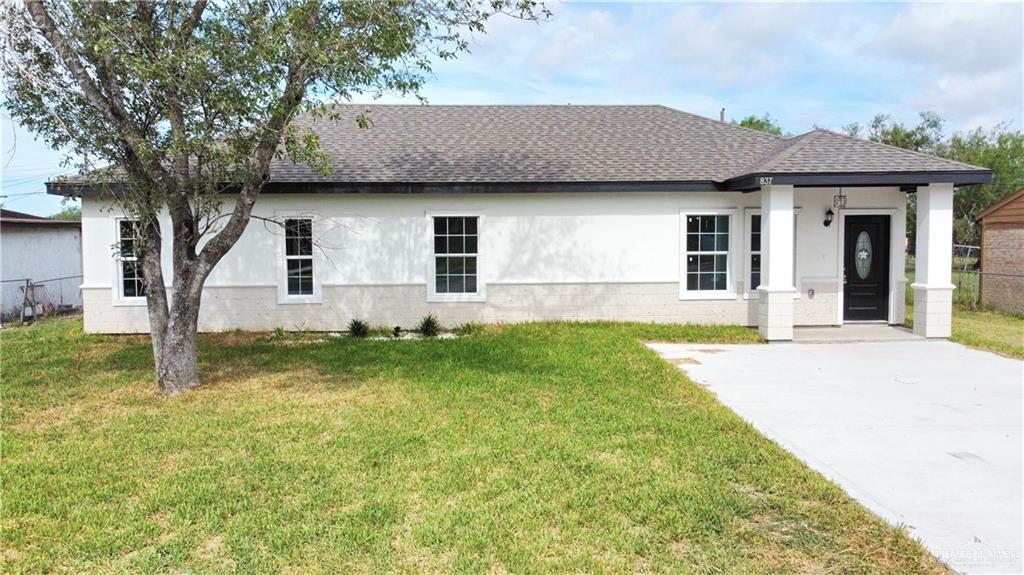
763, 123
186, 104
999, 149
70, 213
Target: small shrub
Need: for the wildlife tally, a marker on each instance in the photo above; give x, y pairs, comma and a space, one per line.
429, 326
278, 333
358, 328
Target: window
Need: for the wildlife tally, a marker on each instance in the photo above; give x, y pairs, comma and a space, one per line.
755, 251
456, 255
298, 254
707, 253
132, 284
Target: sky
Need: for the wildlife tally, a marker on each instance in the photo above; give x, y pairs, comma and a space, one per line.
806, 64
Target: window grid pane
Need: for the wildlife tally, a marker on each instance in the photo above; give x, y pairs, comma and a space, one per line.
300, 276
132, 284
755, 251
298, 247
455, 254
707, 258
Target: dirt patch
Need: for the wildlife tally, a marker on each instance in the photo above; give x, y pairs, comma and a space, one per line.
684, 361
213, 550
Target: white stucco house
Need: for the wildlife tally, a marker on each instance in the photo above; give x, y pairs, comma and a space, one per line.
516, 213
43, 251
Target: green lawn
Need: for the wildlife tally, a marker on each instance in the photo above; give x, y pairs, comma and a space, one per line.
538, 448
989, 330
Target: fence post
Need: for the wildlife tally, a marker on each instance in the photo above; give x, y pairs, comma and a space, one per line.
24, 300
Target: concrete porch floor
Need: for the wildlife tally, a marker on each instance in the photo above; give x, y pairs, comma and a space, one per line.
854, 332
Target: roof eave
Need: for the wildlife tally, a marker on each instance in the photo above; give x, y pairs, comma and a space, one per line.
85, 190
905, 179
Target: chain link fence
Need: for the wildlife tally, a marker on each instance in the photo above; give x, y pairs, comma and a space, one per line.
27, 299
968, 277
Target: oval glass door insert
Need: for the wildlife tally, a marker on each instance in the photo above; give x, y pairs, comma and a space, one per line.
862, 255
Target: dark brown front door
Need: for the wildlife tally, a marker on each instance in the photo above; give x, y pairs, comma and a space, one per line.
866, 268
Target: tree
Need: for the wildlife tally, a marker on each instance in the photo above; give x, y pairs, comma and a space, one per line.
999, 149
763, 123
69, 214
185, 104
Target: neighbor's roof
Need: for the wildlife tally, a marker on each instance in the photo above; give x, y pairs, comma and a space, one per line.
13, 218
550, 148
998, 206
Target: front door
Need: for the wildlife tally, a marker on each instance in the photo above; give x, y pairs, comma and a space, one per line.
866, 268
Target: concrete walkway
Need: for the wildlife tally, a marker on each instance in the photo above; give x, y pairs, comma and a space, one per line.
926, 434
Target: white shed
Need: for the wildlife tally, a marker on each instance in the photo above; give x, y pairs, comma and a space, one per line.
42, 251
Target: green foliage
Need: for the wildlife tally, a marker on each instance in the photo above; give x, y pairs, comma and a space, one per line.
999, 149
358, 328
763, 123
71, 213
927, 136
428, 326
180, 102
158, 83
468, 328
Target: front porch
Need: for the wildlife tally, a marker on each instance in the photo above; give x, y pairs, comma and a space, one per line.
869, 251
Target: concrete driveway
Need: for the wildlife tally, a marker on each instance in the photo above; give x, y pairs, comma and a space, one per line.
926, 434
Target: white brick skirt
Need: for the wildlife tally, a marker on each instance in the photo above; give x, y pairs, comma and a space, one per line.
257, 308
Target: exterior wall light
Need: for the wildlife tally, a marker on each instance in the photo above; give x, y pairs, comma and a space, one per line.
828, 217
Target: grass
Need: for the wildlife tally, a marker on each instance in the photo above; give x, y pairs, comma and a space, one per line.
980, 328
536, 448
988, 330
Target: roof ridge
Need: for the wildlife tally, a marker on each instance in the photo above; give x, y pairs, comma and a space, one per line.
721, 123
20, 215
773, 153
909, 151
800, 143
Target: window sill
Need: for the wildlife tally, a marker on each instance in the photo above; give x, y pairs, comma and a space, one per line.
299, 300
706, 295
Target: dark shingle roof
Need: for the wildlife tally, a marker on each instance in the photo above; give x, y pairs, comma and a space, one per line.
822, 151
482, 148
527, 144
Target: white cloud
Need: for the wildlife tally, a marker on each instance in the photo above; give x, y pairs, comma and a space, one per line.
963, 61
735, 43
981, 99
955, 38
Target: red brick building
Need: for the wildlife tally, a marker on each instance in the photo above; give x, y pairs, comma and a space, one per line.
1002, 252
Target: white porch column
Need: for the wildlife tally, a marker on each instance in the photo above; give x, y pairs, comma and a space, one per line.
775, 311
933, 285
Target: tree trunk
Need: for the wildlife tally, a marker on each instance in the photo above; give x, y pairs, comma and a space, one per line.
175, 354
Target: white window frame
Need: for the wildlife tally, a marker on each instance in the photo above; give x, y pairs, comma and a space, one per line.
118, 292
481, 284
283, 297
748, 225
730, 279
